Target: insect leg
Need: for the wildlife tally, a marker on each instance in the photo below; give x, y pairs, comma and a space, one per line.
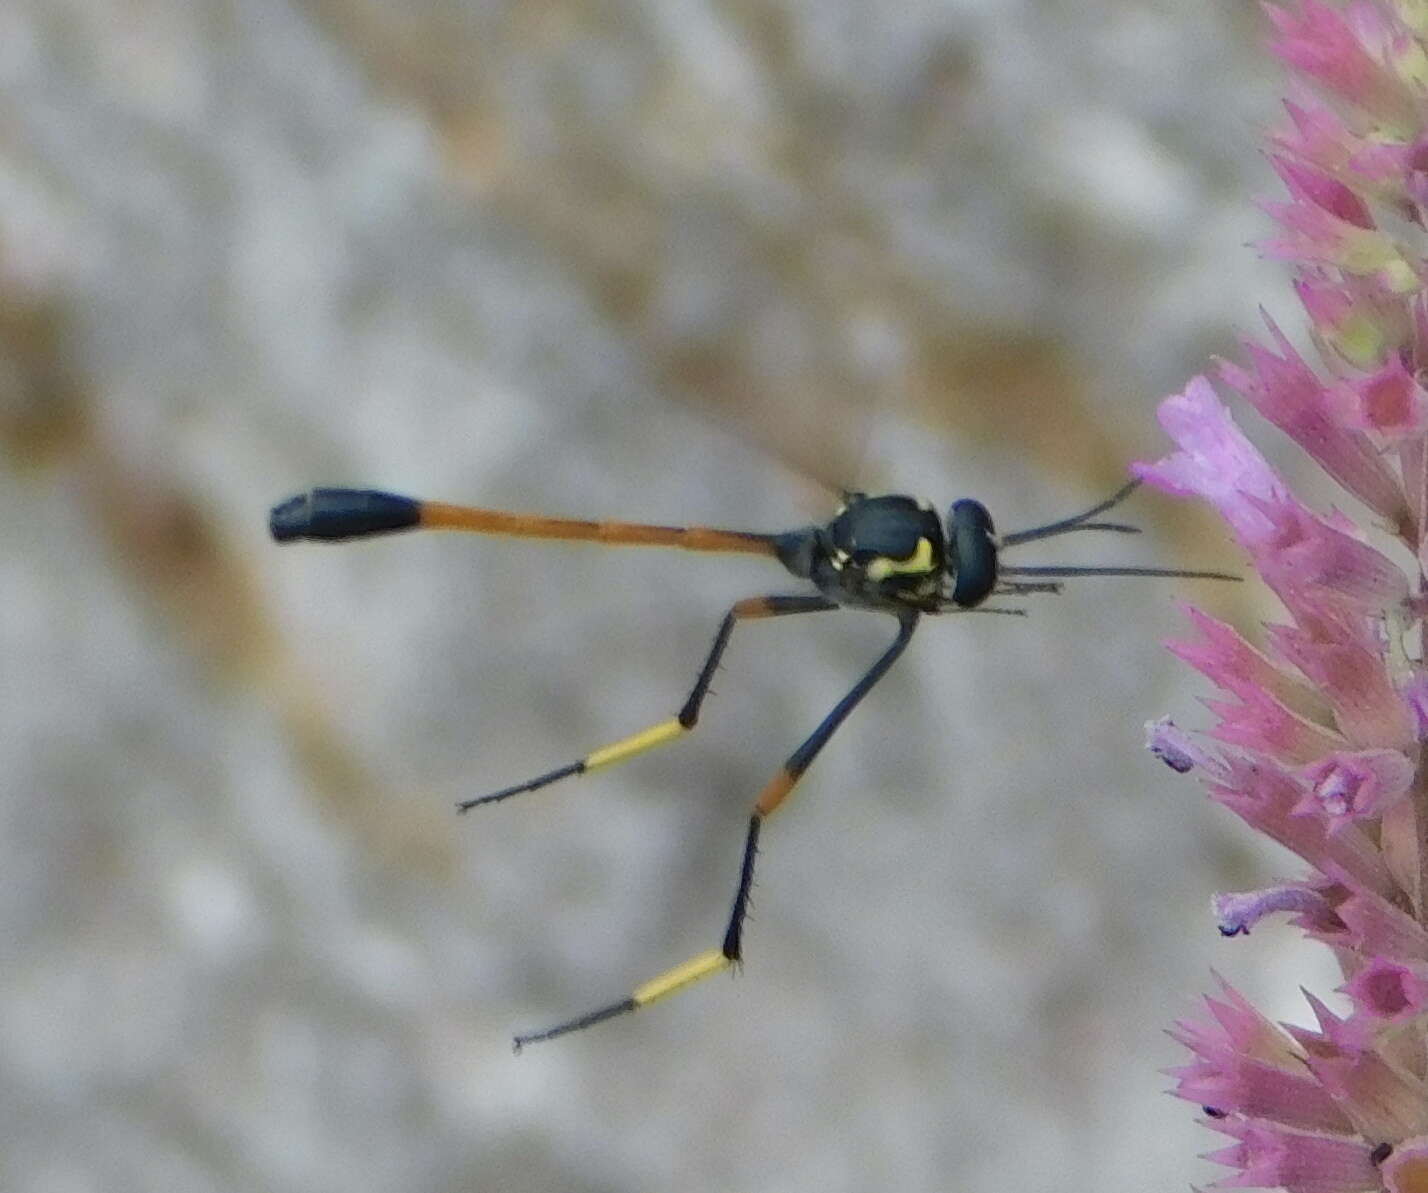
730, 953
678, 725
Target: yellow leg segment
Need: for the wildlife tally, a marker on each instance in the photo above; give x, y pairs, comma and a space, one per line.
672, 981
606, 756
682, 976
677, 726
637, 743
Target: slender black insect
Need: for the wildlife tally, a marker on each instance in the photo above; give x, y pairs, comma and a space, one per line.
891, 554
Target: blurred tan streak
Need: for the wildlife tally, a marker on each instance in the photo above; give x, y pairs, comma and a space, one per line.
41, 406
1019, 390
194, 582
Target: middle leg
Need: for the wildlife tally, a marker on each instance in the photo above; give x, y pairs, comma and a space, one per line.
688, 715
730, 952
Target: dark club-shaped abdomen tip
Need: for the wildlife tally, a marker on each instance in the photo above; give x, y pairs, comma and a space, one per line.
341, 514
289, 519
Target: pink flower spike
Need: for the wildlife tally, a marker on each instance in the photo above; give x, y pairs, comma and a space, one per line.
1237, 912
1270, 1157
1390, 990
1320, 730
1345, 787
1405, 1169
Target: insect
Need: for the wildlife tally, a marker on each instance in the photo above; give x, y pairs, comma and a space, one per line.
889, 553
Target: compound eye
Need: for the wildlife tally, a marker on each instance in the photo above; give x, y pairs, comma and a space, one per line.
972, 554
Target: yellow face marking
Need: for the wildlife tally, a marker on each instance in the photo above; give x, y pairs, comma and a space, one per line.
918, 563
636, 743
681, 976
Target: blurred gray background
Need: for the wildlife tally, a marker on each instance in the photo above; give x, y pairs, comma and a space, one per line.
646, 260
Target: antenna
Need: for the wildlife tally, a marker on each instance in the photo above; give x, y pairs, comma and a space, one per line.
1080, 521
1115, 571
1083, 521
